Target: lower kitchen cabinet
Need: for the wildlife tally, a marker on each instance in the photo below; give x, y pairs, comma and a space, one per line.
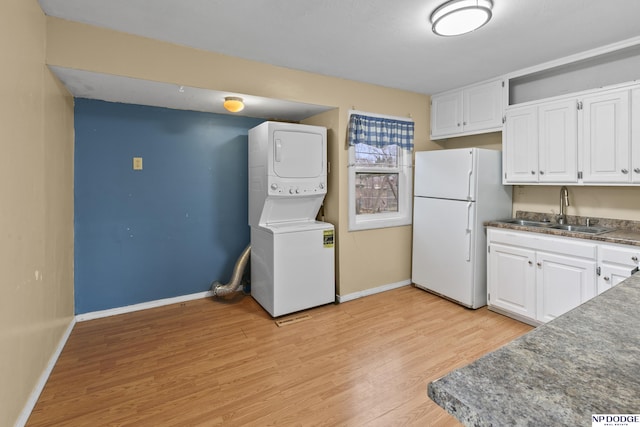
535, 278
563, 282
616, 263
511, 280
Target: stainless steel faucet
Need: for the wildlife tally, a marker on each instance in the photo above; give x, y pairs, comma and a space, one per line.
564, 202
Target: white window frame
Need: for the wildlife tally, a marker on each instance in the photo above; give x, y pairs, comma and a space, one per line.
405, 188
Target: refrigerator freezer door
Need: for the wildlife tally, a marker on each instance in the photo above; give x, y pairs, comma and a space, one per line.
445, 174
443, 248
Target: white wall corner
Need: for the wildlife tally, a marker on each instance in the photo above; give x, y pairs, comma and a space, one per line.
42, 381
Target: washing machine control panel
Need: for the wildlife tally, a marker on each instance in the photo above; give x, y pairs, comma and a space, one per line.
280, 188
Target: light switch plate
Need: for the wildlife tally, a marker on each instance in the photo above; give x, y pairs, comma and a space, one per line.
137, 163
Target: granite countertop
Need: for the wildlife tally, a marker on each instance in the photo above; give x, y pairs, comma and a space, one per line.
622, 231
584, 362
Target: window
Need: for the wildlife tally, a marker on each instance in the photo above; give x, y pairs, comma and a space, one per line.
380, 188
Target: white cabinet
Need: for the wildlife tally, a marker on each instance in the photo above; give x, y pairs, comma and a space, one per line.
535, 278
591, 138
520, 147
511, 280
541, 143
446, 114
558, 142
467, 111
563, 282
635, 135
616, 263
606, 137
482, 107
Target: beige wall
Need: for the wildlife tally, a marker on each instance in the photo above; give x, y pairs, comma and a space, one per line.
604, 202
36, 206
90, 48
492, 141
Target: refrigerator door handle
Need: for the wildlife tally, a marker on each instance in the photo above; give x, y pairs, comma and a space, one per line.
468, 230
469, 181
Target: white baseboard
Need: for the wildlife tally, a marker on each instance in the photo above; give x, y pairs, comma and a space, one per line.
377, 290
142, 306
42, 381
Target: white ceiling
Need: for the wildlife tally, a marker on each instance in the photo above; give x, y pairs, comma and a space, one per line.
107, 87
383, 42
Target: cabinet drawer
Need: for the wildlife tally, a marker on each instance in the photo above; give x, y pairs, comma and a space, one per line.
539, 242
618, 255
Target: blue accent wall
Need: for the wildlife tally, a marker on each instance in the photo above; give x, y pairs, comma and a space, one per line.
170, 229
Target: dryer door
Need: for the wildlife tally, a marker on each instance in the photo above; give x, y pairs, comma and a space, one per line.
298, 154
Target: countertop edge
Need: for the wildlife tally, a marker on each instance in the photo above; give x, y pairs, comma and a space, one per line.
620, 237
543, 363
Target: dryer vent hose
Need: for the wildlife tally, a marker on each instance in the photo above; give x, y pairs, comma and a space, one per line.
220, 290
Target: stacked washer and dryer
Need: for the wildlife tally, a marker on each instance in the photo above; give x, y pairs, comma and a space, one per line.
292, 254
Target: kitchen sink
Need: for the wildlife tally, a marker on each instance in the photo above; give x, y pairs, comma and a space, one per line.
555, 226
580, 228
525, 222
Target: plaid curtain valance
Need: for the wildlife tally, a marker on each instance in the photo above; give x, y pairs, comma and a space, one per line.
380, 132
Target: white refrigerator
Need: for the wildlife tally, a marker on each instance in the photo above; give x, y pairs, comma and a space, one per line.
456, 191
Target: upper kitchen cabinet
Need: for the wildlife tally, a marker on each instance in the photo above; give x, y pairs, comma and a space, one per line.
575, 120
471, 110
520, 147
589, 138
540, 143
606, 138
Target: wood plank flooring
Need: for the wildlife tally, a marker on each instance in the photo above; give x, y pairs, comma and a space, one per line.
365, 362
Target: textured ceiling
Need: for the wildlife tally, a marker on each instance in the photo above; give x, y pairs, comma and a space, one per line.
383, 42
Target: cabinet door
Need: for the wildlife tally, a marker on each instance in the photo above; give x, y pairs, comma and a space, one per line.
606, 138
482, 106
558, 142
611, 275
520, 145
511, 279
446, 114
616, 264
635, 135
562, 283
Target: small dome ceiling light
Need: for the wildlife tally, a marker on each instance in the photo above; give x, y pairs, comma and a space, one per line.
233, 104
457, 17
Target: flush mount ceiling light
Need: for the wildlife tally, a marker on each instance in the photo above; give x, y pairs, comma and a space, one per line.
457, 17
233, 104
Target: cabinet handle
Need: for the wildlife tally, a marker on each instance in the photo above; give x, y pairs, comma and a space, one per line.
530, 263
606, 279
541, 172
458, 124
533, 172
636, 170
625, 171
634, 258
539, 264
464, 123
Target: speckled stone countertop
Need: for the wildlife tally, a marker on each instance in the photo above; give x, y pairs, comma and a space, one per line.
584, 362
622, 231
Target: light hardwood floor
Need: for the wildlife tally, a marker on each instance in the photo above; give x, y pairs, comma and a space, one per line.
365, 362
